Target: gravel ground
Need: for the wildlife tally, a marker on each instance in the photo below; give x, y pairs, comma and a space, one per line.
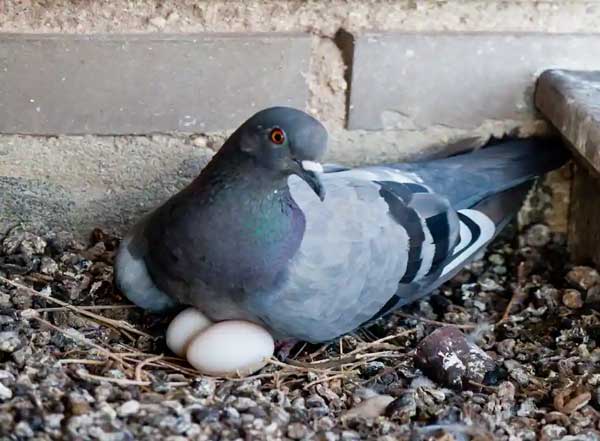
77, 362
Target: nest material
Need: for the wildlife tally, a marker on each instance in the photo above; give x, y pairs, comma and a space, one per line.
63, 326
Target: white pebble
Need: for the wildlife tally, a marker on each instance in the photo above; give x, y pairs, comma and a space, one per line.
5, 393
184, 327
231, 348
130, 407
370, 408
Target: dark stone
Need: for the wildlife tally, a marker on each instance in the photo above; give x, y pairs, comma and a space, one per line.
449, 358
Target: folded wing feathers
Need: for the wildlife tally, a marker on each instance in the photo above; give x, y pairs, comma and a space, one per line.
440, 238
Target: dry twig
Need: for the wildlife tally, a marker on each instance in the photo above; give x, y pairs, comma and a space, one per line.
435, 322
519, 293
118, 324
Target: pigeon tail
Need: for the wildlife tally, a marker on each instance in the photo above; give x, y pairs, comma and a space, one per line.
468, 178
480, 224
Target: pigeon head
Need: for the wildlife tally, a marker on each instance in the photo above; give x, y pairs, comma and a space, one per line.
285, 141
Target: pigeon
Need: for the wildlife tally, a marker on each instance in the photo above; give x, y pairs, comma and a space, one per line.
311, 252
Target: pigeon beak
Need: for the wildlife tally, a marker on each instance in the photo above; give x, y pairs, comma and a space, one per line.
308, 171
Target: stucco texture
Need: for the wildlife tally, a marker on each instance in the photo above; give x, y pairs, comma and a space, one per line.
109, 181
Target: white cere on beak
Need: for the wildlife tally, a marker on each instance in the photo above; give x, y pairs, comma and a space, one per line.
230, 348
183, 328
312, 166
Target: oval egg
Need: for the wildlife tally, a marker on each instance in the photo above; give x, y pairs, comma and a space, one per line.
185, 326
231, 348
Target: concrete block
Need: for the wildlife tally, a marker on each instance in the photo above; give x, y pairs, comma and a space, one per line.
138, 84
571, 101
459, 80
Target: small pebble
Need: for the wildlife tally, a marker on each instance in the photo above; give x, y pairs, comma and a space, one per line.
325, 423
506, 347
12, 242
552, 432
403, 408
329, 436
32, 244
592, 298
527, 408
48, 266
200, 141
496, 259
243, 403
370, 408
20, 356
5, 301
539, 235
584, 277
9, 341
23, 430
297, 431
449, 358
21, 242
78, 404
518, 372
172, 17
128, 408
5, 393
572, 299
158, 22
350, 435
548, 296
6, 320
315, 401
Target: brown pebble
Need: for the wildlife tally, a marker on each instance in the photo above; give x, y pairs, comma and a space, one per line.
78, 405
403, 408
572, 299
449, 358
566, 402
583, 277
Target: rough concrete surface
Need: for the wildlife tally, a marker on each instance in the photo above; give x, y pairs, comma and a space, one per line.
150, 83
82, 182
92, 173
415, 80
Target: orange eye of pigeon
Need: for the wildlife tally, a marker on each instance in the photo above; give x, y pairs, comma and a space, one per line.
277, 136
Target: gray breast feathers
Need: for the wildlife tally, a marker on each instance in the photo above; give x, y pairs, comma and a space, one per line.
359, 245
347, 265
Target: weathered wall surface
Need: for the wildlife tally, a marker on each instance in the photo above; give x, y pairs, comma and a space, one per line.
84, 181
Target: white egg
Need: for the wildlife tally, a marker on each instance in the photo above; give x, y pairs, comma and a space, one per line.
231, 348
185, 326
